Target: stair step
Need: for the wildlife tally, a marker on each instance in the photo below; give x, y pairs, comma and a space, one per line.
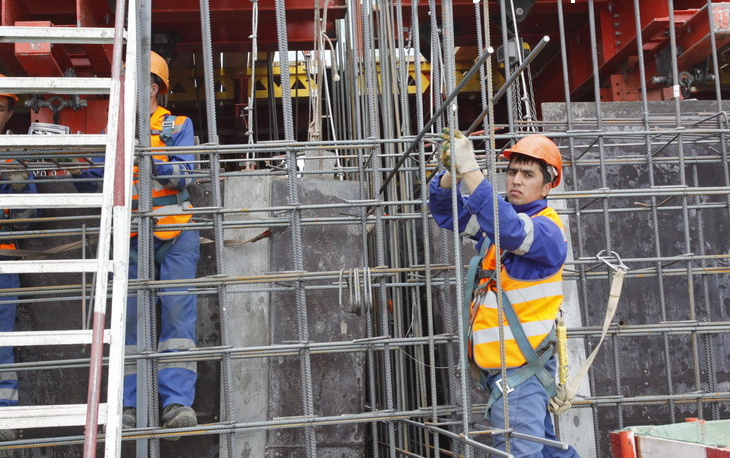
68, 200
21, 417
38, 85
52, 141
58, 337
47, 266
80, 35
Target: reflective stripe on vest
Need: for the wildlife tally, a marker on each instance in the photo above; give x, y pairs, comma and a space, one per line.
536, 303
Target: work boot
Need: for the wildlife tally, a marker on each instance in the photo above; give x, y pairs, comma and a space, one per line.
129, 417
8, 435
178, 416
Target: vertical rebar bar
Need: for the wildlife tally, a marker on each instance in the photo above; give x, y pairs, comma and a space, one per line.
217, 195
685, 211
601, 152
654, 212
296, 228
146, 332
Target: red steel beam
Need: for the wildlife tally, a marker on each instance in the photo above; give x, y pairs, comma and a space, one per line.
695, 37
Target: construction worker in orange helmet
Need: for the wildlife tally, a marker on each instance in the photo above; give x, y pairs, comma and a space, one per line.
14, 179
176, 258
533, 250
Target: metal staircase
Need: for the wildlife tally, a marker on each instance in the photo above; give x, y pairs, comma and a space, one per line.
114, 203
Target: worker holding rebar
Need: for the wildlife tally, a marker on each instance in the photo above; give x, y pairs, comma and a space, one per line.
15, 179
176, 256
533, 249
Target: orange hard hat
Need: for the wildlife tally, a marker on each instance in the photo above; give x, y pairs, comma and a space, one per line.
540, 147
158, 66
10, 96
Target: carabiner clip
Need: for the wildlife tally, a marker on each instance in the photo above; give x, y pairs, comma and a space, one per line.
608, 257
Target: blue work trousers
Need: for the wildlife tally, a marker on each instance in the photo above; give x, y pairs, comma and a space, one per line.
528, 414
178, 314
8, 380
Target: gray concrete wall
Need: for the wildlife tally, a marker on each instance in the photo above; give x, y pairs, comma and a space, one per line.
249, 312
270, 388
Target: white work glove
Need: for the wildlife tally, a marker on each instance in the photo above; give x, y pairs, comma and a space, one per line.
15, 173
461, 151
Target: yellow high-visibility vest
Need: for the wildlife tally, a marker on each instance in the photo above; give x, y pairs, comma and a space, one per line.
536, 303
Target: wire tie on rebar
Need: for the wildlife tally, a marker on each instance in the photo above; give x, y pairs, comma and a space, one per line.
606, 258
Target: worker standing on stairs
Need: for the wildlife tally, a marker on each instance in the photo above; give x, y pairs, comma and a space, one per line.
533, 250
14, 181
176, 258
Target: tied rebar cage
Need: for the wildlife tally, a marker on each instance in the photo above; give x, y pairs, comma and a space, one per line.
330, 304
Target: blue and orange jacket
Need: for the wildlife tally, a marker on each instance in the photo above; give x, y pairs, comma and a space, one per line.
536, 245
171, 165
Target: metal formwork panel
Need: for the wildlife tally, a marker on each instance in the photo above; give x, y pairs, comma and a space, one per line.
665, 360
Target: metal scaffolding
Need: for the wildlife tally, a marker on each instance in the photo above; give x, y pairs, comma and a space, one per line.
647, 180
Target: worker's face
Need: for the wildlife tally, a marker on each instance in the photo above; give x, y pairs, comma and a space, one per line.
5, 112
525, 183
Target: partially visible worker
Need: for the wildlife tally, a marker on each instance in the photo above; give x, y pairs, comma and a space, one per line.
533, 247
15, 179
176, 258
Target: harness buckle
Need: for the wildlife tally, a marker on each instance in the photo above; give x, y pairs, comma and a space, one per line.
168, 123
498, 383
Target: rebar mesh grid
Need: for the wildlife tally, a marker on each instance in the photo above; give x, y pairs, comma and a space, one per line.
647, 180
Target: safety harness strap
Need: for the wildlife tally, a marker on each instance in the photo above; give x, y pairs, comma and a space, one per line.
515, 379
471, 281
567, 392
535, 363
161, 201
168, 125
526, 348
